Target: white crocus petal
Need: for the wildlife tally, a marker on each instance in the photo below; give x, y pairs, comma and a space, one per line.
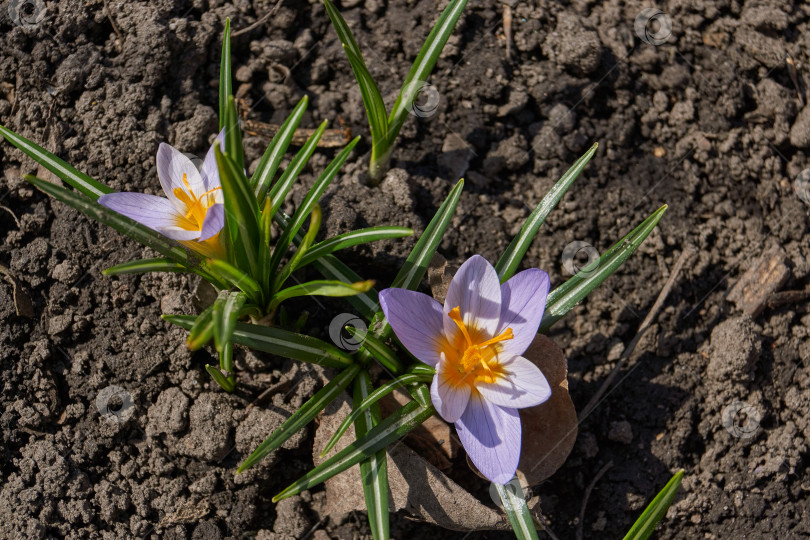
450, 400
209, 170
150, 210
172, 167
178, 233
521, 385
476, 291
491, 436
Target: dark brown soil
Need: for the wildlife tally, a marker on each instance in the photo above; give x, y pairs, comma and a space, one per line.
709, 122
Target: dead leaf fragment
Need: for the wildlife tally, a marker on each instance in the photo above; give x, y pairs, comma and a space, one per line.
765, 277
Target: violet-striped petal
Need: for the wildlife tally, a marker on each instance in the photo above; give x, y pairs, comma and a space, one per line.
523, 301
450, 400
214, 221
476, 291
416, 319
520, 385
491, 436
150, 210
209, 170
172, 167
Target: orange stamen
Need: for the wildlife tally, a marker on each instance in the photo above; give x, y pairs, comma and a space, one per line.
197, 207
473, 359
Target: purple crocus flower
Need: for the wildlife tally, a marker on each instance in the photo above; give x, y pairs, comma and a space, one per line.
475, 343
192, 212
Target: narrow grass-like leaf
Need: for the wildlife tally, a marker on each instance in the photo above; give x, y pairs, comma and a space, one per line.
219, 378
265, 250
378, 350
423, 66
331, 267
157, 264
302, 416
514, 504
241, 214
570, 293
225, 89
386, 432
266, 170
238, 279
279, 342
418, 260
233, 135
373, 101
294, 224
226, 364
350, 239
343, 31
122, 224
303, 247
226, 310
370, 399
79, 180
281, 188
320, 288
202, 330
511, 258
645, 525
373, 470
420, 393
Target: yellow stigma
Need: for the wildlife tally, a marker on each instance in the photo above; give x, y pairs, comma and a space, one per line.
196, 208
477, 359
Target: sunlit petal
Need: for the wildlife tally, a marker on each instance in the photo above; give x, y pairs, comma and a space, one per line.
214, 221
416, 319
519, 384
523, 301
491, 436
176, 171
150, 210
209, 170
476, 291
449, 399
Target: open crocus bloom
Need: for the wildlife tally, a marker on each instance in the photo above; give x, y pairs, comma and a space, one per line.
192, 211
475, 343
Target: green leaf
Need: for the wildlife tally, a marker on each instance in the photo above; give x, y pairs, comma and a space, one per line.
420, 393
570, 293
418, 260
386, 432
511, 258
331, 267
320, 288
233, 135
61, 169
266, 170
238, 279
645, 525
225, 89
279, 342
514, 504
423, 66
303, 247
378, 350
294, 224
350, 239
241, 215
220, 379
265, 251
202, 329
302, 416
281, 188
226, 311
122, 224
374, 470
157, 264
360, 407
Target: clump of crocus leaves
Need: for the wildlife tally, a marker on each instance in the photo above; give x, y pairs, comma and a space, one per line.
216, 222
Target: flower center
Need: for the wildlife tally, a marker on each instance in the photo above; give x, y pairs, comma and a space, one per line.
475, 360
196, 208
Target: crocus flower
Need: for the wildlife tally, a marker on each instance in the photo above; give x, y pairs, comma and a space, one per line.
192, 212
475, 343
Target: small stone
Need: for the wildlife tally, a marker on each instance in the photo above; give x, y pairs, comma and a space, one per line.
621, 432
66, 272
243, 74
800, 132
456, 155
